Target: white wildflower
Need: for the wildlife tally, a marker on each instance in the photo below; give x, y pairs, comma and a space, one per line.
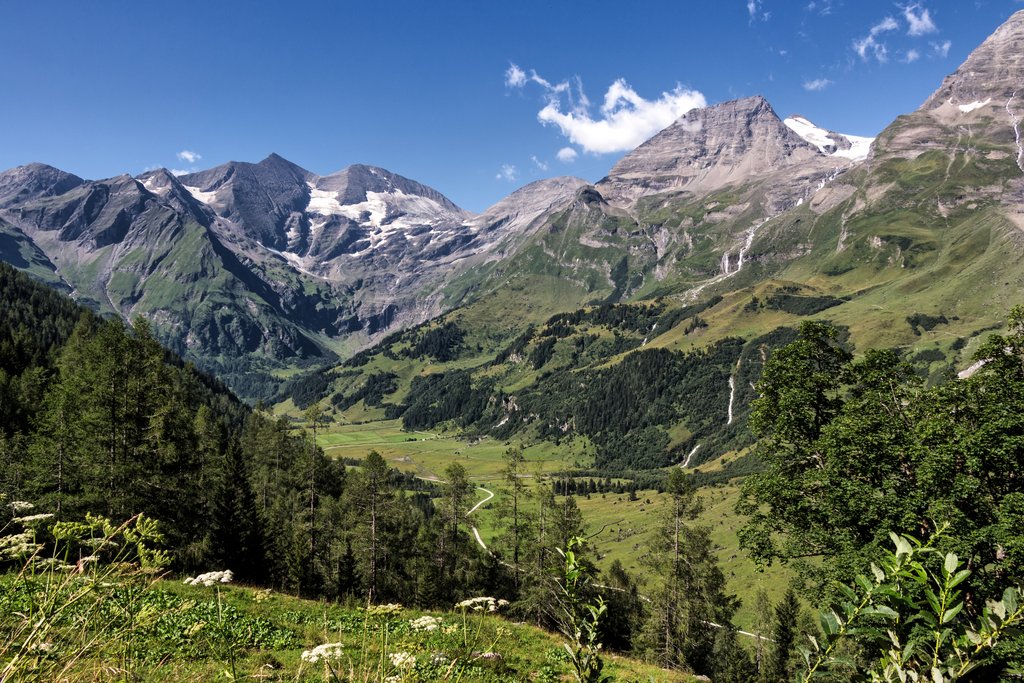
393, 679
390, 609
211, 578
439, 659
402, 660
17, 545
481, 604
19, 506
326, 652
425, 623
33, 518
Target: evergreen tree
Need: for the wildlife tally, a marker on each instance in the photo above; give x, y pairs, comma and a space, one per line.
692, 596
370, 499
513, 509
784, 631
236, 539
625, 609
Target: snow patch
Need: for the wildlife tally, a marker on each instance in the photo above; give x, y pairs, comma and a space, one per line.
860, 146
295, 261
818, 137
966, 108
154, 188
323, 202
200, 196
823, 140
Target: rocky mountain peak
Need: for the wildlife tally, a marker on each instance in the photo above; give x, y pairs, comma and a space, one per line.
992, 74
36, 180
353, 183
709, 148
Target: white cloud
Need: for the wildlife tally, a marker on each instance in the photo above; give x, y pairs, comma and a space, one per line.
626, 119
919, 20
514, 76
507, 172
942, 49
868, 46
912, 56
817, 84
567, 155
824, 7
189, 156
178, 171
542, 165
754, 10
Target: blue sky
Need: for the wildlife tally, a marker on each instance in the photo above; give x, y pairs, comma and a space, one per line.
449, 93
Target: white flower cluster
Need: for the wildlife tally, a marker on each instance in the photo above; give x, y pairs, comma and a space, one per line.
425, 623
402, 660
388, 610
326, 652
33, 518
17, 545
481, 604
211, 578
19, 506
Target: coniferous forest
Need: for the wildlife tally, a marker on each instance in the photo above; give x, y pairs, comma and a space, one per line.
899, 505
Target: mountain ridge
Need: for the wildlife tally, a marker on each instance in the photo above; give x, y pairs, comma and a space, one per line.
267, 263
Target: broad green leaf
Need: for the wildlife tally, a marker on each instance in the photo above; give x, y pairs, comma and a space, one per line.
829, 623
959, 577
1010, 597
952, 612
951, 563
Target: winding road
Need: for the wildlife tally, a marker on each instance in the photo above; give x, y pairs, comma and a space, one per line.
490, 494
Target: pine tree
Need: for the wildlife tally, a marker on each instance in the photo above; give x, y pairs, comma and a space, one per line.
236, 540
370, 499
512, 509
784, 626
678, 631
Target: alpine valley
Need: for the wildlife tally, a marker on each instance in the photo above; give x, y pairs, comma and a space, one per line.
660, 288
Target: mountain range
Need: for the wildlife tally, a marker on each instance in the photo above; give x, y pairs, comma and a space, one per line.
250, 269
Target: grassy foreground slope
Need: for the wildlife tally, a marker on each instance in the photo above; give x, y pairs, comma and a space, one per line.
169, 632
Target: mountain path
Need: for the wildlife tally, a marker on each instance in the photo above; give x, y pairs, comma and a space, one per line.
476, 532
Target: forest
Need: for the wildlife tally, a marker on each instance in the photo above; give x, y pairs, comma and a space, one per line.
899, 505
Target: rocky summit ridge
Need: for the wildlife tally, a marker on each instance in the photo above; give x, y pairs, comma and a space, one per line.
262, 265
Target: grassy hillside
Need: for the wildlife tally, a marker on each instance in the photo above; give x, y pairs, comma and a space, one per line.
137, 629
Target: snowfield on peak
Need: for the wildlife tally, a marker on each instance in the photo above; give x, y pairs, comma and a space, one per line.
386, 210
967, 108
200, 196
826, 143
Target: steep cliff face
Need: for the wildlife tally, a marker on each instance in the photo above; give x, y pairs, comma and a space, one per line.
990, 76
706, 149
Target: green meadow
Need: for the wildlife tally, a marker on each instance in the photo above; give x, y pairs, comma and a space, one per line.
620, 529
